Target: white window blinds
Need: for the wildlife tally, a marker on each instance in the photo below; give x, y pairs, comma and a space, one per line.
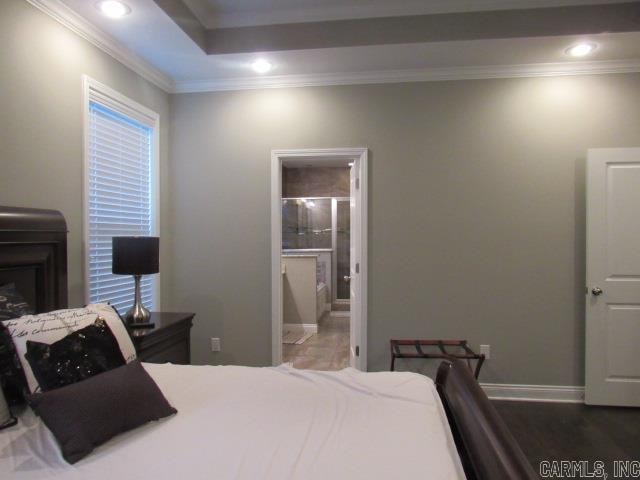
120, 196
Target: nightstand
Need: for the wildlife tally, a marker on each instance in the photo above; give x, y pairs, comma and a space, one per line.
167, 341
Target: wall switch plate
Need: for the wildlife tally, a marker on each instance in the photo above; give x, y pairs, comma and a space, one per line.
215, 344
486, 349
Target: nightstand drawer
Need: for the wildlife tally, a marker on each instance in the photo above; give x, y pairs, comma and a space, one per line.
168, 341
174, 353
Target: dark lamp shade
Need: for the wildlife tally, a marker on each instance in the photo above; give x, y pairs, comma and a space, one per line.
135, 255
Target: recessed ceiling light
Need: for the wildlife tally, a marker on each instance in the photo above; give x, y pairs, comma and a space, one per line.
113, 8
261, 65
580, 49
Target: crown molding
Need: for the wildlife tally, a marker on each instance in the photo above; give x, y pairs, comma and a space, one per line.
412, 75
77, 24
67, 17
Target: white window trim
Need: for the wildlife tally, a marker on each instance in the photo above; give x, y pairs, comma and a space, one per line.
94, 90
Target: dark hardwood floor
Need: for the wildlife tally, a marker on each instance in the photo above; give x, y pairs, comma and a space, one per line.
568, 431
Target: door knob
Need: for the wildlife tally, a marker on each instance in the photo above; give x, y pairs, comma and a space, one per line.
597, 291
346, 278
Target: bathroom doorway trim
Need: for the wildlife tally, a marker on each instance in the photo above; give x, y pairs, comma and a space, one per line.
318, 156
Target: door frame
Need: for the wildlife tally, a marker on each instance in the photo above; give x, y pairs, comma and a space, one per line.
334, 258
359, 157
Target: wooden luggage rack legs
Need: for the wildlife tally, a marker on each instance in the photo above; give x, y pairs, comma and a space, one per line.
462, 351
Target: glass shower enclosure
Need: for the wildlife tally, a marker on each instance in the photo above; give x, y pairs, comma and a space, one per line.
321, 223
342, 248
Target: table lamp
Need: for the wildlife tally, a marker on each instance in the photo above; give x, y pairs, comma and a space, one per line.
136, 256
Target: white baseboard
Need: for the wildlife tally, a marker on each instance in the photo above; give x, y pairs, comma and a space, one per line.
300, 327
340, 313
534, 393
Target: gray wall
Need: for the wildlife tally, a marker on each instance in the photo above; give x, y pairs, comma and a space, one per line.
41, 67
476, 210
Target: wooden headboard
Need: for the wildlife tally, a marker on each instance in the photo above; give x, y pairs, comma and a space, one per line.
33, 255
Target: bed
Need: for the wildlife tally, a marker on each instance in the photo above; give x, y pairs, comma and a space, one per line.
272, 422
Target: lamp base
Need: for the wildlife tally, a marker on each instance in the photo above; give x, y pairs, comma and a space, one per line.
138, 316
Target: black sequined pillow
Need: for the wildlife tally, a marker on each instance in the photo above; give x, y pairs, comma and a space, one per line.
78, 356
12, 305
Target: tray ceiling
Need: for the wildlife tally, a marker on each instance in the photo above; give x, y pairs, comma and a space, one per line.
162, 38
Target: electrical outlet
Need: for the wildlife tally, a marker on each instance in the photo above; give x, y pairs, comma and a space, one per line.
486, 349
215, 344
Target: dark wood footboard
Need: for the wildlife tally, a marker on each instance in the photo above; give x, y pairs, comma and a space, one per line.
487, 448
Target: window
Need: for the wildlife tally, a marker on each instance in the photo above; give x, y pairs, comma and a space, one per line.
121, 190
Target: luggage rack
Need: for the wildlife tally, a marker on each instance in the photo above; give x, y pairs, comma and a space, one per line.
463, 351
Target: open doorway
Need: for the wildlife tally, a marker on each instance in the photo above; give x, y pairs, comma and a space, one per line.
318, 215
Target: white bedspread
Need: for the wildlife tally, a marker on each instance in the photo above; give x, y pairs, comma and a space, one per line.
262, 423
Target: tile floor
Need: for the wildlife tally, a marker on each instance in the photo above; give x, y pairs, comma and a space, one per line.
327, 350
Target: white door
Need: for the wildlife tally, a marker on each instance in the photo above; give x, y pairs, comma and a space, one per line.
354, 273
613, 277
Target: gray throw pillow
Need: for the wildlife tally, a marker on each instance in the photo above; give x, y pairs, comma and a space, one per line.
86, 414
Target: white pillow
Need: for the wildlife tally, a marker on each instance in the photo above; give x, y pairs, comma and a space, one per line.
53, 326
